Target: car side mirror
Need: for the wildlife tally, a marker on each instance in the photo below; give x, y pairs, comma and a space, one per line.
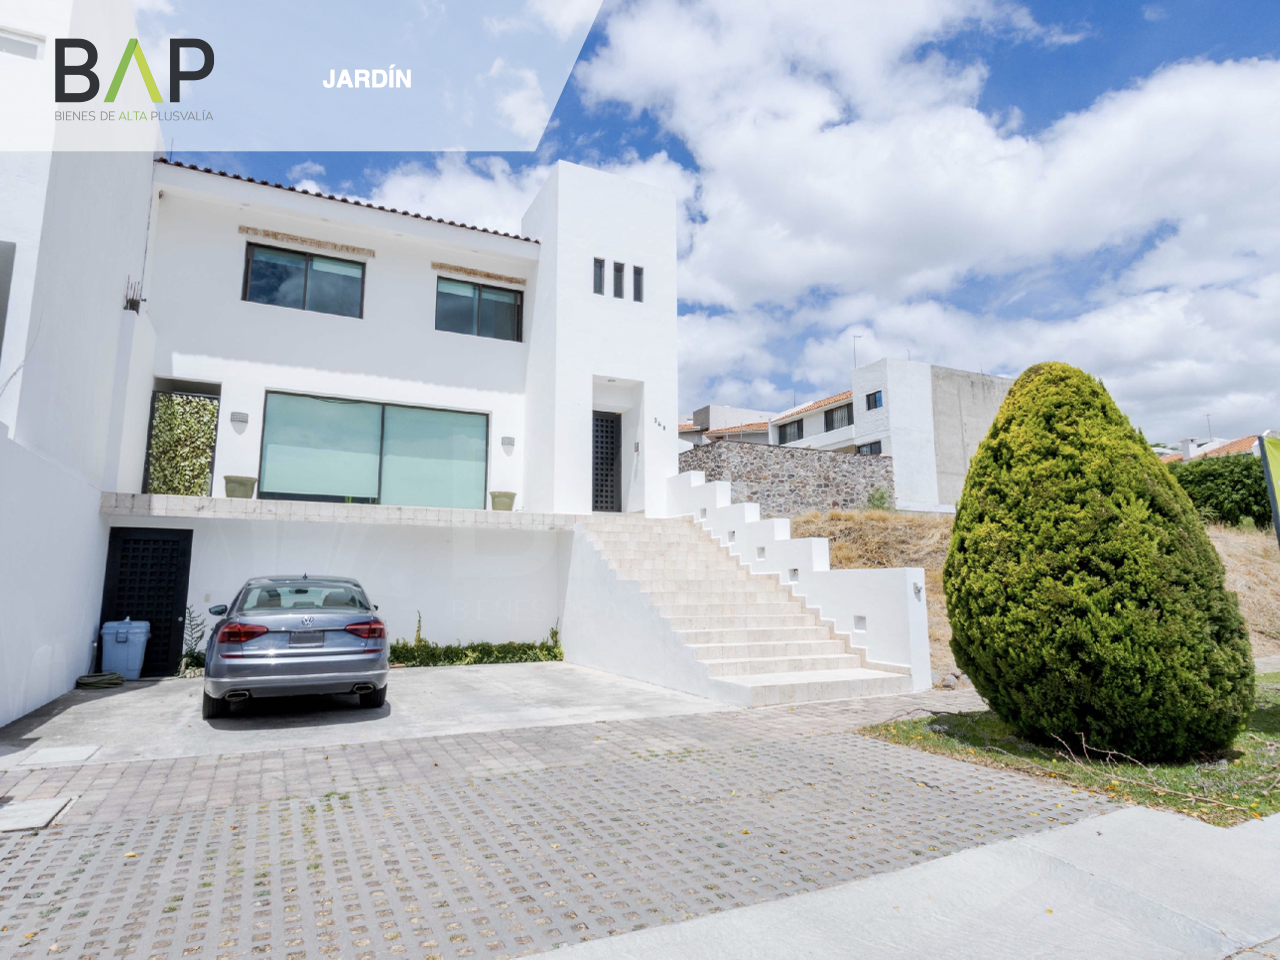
375, 606
219, 610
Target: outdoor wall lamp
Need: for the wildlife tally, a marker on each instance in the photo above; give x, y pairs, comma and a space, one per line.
239, 417
508, 444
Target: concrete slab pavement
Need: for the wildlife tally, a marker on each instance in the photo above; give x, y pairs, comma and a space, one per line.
1134, 883
161, 719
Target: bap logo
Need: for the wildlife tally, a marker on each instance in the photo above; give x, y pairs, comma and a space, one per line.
132, 52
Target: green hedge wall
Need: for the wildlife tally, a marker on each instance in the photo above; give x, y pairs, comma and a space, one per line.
180, 456
1226, 489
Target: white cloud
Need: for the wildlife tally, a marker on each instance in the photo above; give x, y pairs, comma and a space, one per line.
152, 6
519, 100
307, 169
1154, 12
834, 157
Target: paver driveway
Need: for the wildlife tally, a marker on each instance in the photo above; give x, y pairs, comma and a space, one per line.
492, 845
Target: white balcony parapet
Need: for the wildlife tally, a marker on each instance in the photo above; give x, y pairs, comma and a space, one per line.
309, 511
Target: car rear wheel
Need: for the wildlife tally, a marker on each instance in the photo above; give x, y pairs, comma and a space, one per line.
374, 698
213, 708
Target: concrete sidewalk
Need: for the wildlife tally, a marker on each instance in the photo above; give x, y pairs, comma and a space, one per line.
1134, 883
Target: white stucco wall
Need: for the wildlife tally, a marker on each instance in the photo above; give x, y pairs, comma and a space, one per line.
392, 354
583, 338
51, 568
470, 585
965, 405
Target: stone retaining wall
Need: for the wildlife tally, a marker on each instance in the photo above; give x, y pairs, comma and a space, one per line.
789, 481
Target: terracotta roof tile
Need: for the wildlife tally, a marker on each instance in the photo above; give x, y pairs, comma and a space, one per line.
1243, 445
330, 196
740, 428
838, 398
687, 427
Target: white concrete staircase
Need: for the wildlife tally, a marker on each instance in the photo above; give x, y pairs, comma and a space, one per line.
757, 643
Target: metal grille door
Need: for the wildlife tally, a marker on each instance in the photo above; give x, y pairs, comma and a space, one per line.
147, 573
606, 482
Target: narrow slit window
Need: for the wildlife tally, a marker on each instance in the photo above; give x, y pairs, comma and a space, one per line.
619, 279
598, 277
637, 284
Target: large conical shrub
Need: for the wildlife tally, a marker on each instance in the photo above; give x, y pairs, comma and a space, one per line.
1085, 597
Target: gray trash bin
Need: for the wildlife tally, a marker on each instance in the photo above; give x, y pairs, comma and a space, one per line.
124, 644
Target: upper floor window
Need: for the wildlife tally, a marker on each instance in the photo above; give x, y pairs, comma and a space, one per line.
872, 447
478, 310
637, 284
875, 400
838, 417
619, 277
597, 277
790, 432
304, 281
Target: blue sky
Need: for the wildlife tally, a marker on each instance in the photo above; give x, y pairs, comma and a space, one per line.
977, 183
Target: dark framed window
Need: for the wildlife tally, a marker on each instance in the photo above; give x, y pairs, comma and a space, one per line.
304, 281
872, 447
619, 278
637, 284
597, 277
354, 451
875, 400
838, 417
791, 432
494, 312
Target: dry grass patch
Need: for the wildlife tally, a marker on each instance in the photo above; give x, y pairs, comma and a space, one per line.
886, 538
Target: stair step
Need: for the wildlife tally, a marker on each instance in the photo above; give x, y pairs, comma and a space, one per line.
757, 635
754, 666
729, 590
773, 607
770, 689
767, 649
745, 617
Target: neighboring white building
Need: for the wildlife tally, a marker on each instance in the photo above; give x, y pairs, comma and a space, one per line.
930, 419
825, 424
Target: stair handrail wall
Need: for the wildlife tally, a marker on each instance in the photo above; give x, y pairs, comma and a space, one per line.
881, 610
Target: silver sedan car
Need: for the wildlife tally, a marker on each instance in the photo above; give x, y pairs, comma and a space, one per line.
283, 636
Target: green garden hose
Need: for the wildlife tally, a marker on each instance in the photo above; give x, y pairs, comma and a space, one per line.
99, 681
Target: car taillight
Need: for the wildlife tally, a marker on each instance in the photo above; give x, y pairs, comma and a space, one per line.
373, 629
372, 632
240, 632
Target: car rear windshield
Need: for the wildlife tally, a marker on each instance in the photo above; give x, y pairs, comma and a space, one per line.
304, 595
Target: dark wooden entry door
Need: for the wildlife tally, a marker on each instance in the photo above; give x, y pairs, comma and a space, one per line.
147, 574
606, 472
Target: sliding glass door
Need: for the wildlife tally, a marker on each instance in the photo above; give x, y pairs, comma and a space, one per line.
434, 458
316, 448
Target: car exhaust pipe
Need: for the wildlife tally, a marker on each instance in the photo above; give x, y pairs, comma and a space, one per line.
362, 688
235, 696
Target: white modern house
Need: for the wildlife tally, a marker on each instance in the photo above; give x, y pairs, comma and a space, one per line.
929, 419
206, 377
